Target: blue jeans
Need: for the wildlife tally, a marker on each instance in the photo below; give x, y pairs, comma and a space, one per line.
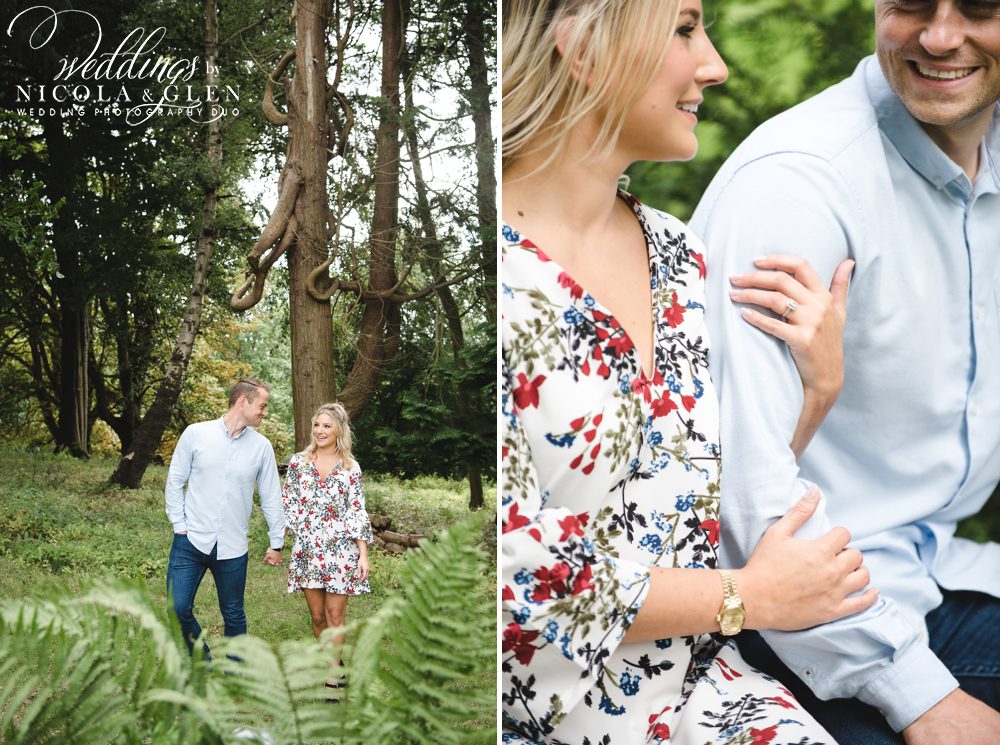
963, 636
185, 571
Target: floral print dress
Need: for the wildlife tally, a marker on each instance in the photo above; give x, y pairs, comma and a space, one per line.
327, 517
608, 471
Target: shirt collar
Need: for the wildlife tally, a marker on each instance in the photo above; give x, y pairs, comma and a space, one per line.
222, 423
920, 151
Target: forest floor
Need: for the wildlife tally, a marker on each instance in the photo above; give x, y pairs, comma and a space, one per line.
63, 525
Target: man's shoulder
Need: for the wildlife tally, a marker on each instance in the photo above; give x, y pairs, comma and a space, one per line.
826, 127
201, 428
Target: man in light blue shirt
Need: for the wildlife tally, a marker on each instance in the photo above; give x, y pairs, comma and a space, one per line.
898, 168
209, 495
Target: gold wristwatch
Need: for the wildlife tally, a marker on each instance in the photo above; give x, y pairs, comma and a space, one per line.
732, 614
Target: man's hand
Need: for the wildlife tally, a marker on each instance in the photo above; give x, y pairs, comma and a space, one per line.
273, 557
957, 718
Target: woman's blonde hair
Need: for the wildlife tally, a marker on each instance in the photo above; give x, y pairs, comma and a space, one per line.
338, 414
612, 49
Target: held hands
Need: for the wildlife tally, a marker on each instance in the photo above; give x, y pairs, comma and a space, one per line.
790, 583
274, 558
812, 318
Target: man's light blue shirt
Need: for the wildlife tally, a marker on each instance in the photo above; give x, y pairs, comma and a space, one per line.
220, 472
913, 443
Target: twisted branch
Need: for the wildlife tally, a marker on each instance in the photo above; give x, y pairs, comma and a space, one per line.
271, 112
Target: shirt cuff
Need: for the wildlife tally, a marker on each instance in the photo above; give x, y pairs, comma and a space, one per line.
181, 527
914, 682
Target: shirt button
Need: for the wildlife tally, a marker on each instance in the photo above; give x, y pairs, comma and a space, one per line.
938, 182
973, 410
807, 672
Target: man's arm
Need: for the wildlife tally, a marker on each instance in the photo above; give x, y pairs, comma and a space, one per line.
796, 204
177, 476
269, 487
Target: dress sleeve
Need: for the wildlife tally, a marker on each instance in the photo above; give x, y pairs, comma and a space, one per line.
292, 501
358, 525
567, 598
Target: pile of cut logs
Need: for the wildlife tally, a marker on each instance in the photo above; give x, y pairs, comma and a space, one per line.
388, 539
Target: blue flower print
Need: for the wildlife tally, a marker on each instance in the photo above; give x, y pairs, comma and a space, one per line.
654, 439
510, 235
699, 388
564, 646
521, 615
694, 565
560, 442
573, 317
551, 631
651, 542
607, 706
654, 282
629, 684
508, 291
664, 643
523, 577
684, 503
625, 384
672, 384
589, 301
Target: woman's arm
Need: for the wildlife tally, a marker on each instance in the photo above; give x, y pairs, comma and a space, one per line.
788, 584
812, 326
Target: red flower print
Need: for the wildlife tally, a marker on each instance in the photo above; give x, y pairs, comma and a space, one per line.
514, 520
517, 639
587, 469
536, 534
508, 594
541, 593
604, 371
577, 423
763, 736
619, 346
712, 528
575, 463
662, 731
589, 435
688, 402
781, 702
582, 580
570, 526
567, 281
597, 419
641, 387
702, 271
675, 313
724, 667
663, 406
526, 394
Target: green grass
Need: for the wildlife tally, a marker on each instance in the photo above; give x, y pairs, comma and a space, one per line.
62, 524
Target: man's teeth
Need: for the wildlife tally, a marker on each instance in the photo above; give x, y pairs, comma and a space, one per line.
692, 107
944, 74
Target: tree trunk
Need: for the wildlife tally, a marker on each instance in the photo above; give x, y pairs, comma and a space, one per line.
461, 402
313, 381
486, 191
71, 292
380, 322
150, 432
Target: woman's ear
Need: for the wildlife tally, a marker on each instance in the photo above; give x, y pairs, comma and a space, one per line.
570, 41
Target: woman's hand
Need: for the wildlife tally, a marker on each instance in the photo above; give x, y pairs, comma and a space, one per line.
363, 569
790, 583
811, 323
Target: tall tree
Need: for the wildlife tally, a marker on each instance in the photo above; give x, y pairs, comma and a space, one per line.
147, 437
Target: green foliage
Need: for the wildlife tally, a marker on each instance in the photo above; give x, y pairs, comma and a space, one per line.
779, 53
109, 666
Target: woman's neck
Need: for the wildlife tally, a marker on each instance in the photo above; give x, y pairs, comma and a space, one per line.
330, 451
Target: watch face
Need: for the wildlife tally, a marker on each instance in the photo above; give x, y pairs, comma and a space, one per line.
731, 620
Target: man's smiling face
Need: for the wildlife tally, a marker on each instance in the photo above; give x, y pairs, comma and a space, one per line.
941, 58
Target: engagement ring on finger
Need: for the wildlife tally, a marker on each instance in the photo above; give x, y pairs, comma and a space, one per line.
790, 308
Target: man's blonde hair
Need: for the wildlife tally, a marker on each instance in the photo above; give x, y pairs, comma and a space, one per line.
338, 414
612, 49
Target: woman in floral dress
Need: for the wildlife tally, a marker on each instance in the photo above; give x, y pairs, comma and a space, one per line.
610, 444
324, 507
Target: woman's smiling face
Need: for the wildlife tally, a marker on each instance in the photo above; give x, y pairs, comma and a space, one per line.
661, 124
